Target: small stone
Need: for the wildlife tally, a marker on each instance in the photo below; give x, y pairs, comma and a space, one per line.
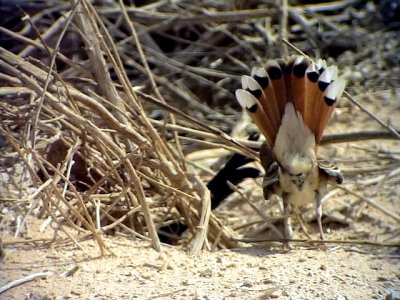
247, 283
184, 282
323, 267
393, 296
268, 281
206, 273
233, 294
146, 275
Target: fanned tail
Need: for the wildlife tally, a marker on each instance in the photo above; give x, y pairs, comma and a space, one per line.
312, 88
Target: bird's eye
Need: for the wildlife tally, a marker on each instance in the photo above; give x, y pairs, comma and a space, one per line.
299, 174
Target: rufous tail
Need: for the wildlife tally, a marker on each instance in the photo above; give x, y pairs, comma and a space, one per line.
313, 88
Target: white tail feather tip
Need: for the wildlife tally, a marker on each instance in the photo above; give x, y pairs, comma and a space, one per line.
326, 76
245, 99
261, 72
335, 90
311, 68
253, 84
253, 71
244, 82
298, 60
341, 85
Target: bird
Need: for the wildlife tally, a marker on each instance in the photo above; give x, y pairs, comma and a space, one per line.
291, 100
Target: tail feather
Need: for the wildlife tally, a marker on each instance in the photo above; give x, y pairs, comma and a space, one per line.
275, 71
288, 78
316, 101
333, 92
270, 104
255, 110
298, 83
322, 109
267, 102
312, 88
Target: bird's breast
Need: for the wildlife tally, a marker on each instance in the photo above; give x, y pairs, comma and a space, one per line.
300, 190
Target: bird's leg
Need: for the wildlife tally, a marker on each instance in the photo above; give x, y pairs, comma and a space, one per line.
287, 221
318, 213
301, 220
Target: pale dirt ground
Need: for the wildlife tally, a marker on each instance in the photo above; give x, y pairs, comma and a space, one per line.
258, 272
138, 272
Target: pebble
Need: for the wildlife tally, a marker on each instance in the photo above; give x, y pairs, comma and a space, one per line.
206, 273
247, 283
146, 275
393, 296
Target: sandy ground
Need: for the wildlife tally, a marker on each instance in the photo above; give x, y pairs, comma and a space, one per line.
259, 272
